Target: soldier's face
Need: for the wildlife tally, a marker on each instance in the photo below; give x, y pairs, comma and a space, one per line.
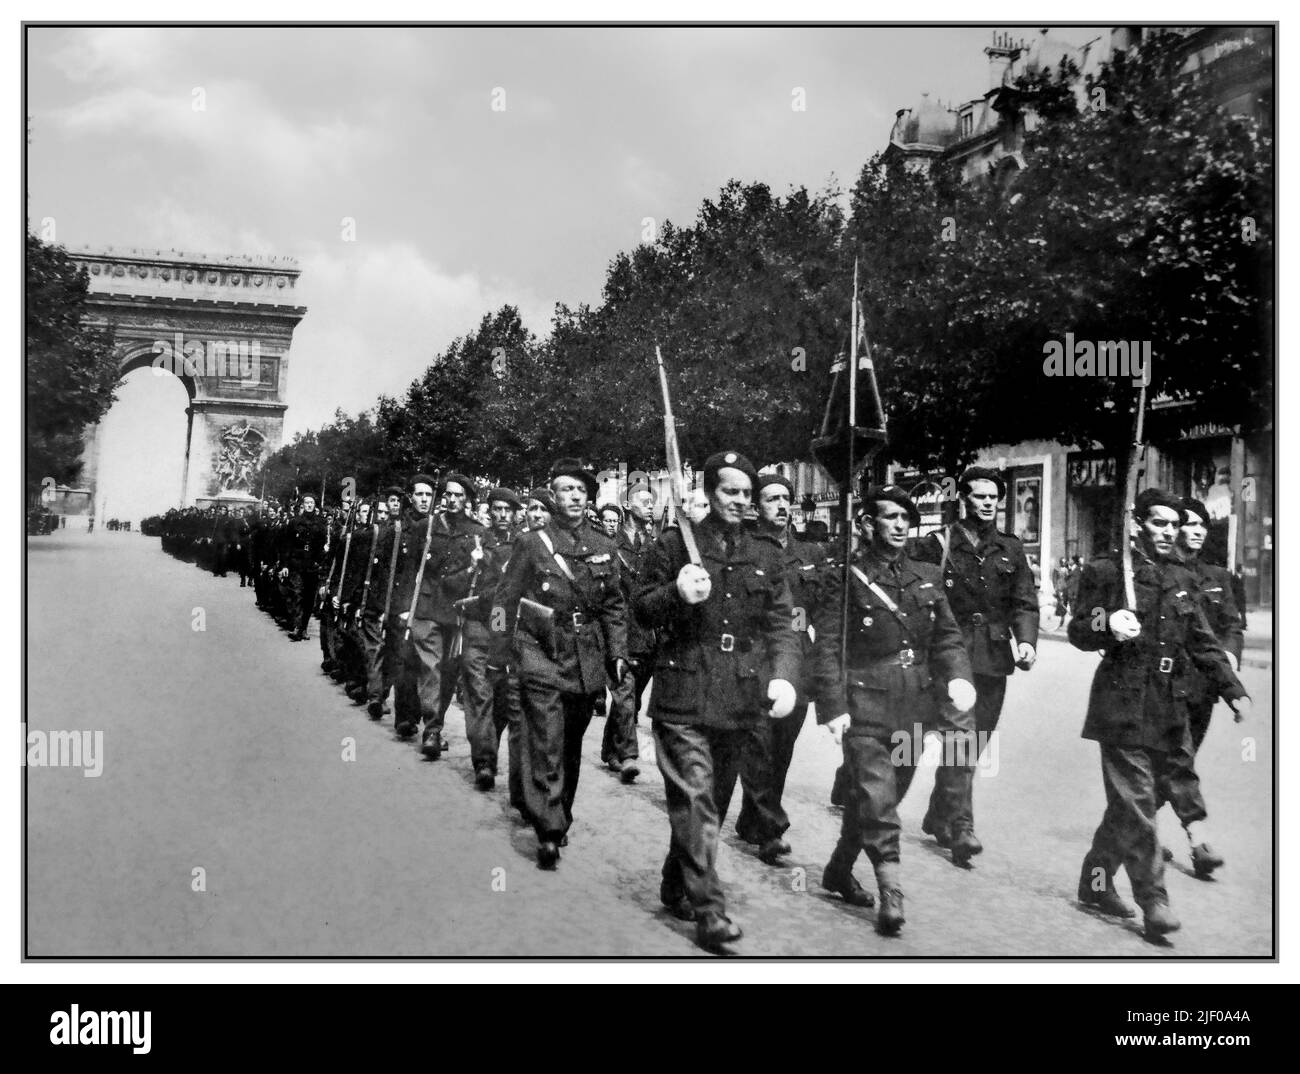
571, 496
502, 514
538, 516
1191, 534
422, 497
455, 497
641, 503
1160, 528
982, 500
774, 507
381, 512
394, 505
890, 525
731, 497
363, 513
309, 505
609, 522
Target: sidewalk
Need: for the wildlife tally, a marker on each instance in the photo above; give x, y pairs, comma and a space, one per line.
1258, 651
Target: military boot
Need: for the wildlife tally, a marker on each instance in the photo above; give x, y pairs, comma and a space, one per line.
1158, 919
1205, 860
1104, 901
889, 917
964, 846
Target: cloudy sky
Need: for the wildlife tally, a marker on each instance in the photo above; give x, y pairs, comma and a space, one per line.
458, 207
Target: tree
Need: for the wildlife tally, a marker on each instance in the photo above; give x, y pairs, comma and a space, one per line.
71, 372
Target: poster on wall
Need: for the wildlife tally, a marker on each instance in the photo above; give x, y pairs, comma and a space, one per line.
1028, 498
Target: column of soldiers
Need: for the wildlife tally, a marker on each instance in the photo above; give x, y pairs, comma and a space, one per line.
534, 606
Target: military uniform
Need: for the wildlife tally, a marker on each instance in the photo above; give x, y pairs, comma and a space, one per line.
708, 706
1214, 592
619, 743
302, 548
1138, 711
899, 664
501, 664
562, 659
990, 589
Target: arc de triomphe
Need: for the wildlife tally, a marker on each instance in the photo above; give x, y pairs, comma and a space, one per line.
223, 325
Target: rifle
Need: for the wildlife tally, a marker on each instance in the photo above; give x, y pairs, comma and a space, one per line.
370, 563
1130, 495
458, 641
674, 459
329, 578
347, 547
392, 575
419, 576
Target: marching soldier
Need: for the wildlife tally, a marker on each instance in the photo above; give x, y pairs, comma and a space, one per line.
1214, 591
561, 594
1137, 710
356, 572
990, 589
804, 567
619, 749
726, 655
302, 549
433, 573
541, 508
378, 643
905, 652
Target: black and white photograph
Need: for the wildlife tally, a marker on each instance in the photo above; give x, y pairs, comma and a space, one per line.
649, 491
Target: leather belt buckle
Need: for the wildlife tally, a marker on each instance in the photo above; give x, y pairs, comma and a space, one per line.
728, 643
978, 619
579, 619
1166, 665
906, 658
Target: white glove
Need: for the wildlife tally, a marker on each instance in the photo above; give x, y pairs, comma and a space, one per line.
782, 697
1124, 625
1232, 659
334, 601
1026, 655
1241, 708
961, 694
694, 583
838, 726
476, 556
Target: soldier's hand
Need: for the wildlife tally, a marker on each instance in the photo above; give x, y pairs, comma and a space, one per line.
284, 573
782, 695
838, 726
1124, 625
962, 695
1241, 708
476, 556
1027, 656
694, 584
334, 601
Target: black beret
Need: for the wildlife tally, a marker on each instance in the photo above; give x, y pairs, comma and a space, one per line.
1149, 498
1195, 507
544, 497
574, 468
982, 473
732, 459
423, 479
893, 494
460, 479
764, 480
393, 490
504, 496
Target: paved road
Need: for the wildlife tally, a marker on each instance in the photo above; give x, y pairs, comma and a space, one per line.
223, 750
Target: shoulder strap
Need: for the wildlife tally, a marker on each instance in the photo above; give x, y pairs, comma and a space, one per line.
545, 538
880, 594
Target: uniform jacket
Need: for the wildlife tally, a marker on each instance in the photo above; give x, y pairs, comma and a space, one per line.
991, 591
302, 543
1214, 591
883, 695
589, 624
489, 611
382, 566
1141, 689
814, 592
701, 677
446, 577
632, 552
361, 554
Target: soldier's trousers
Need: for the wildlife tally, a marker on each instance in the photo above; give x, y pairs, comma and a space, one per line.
483, 721
302, 589
1198, 721
781, 738
619, 740
1137, 781
504, 684
551, 757
700, 766
424, 657
879, 771
951, 800
378, 679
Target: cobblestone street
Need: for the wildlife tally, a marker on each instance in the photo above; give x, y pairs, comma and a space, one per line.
223, 750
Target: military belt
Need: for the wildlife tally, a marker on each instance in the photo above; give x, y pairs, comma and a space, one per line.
1166, 665
904, 658
728, 643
